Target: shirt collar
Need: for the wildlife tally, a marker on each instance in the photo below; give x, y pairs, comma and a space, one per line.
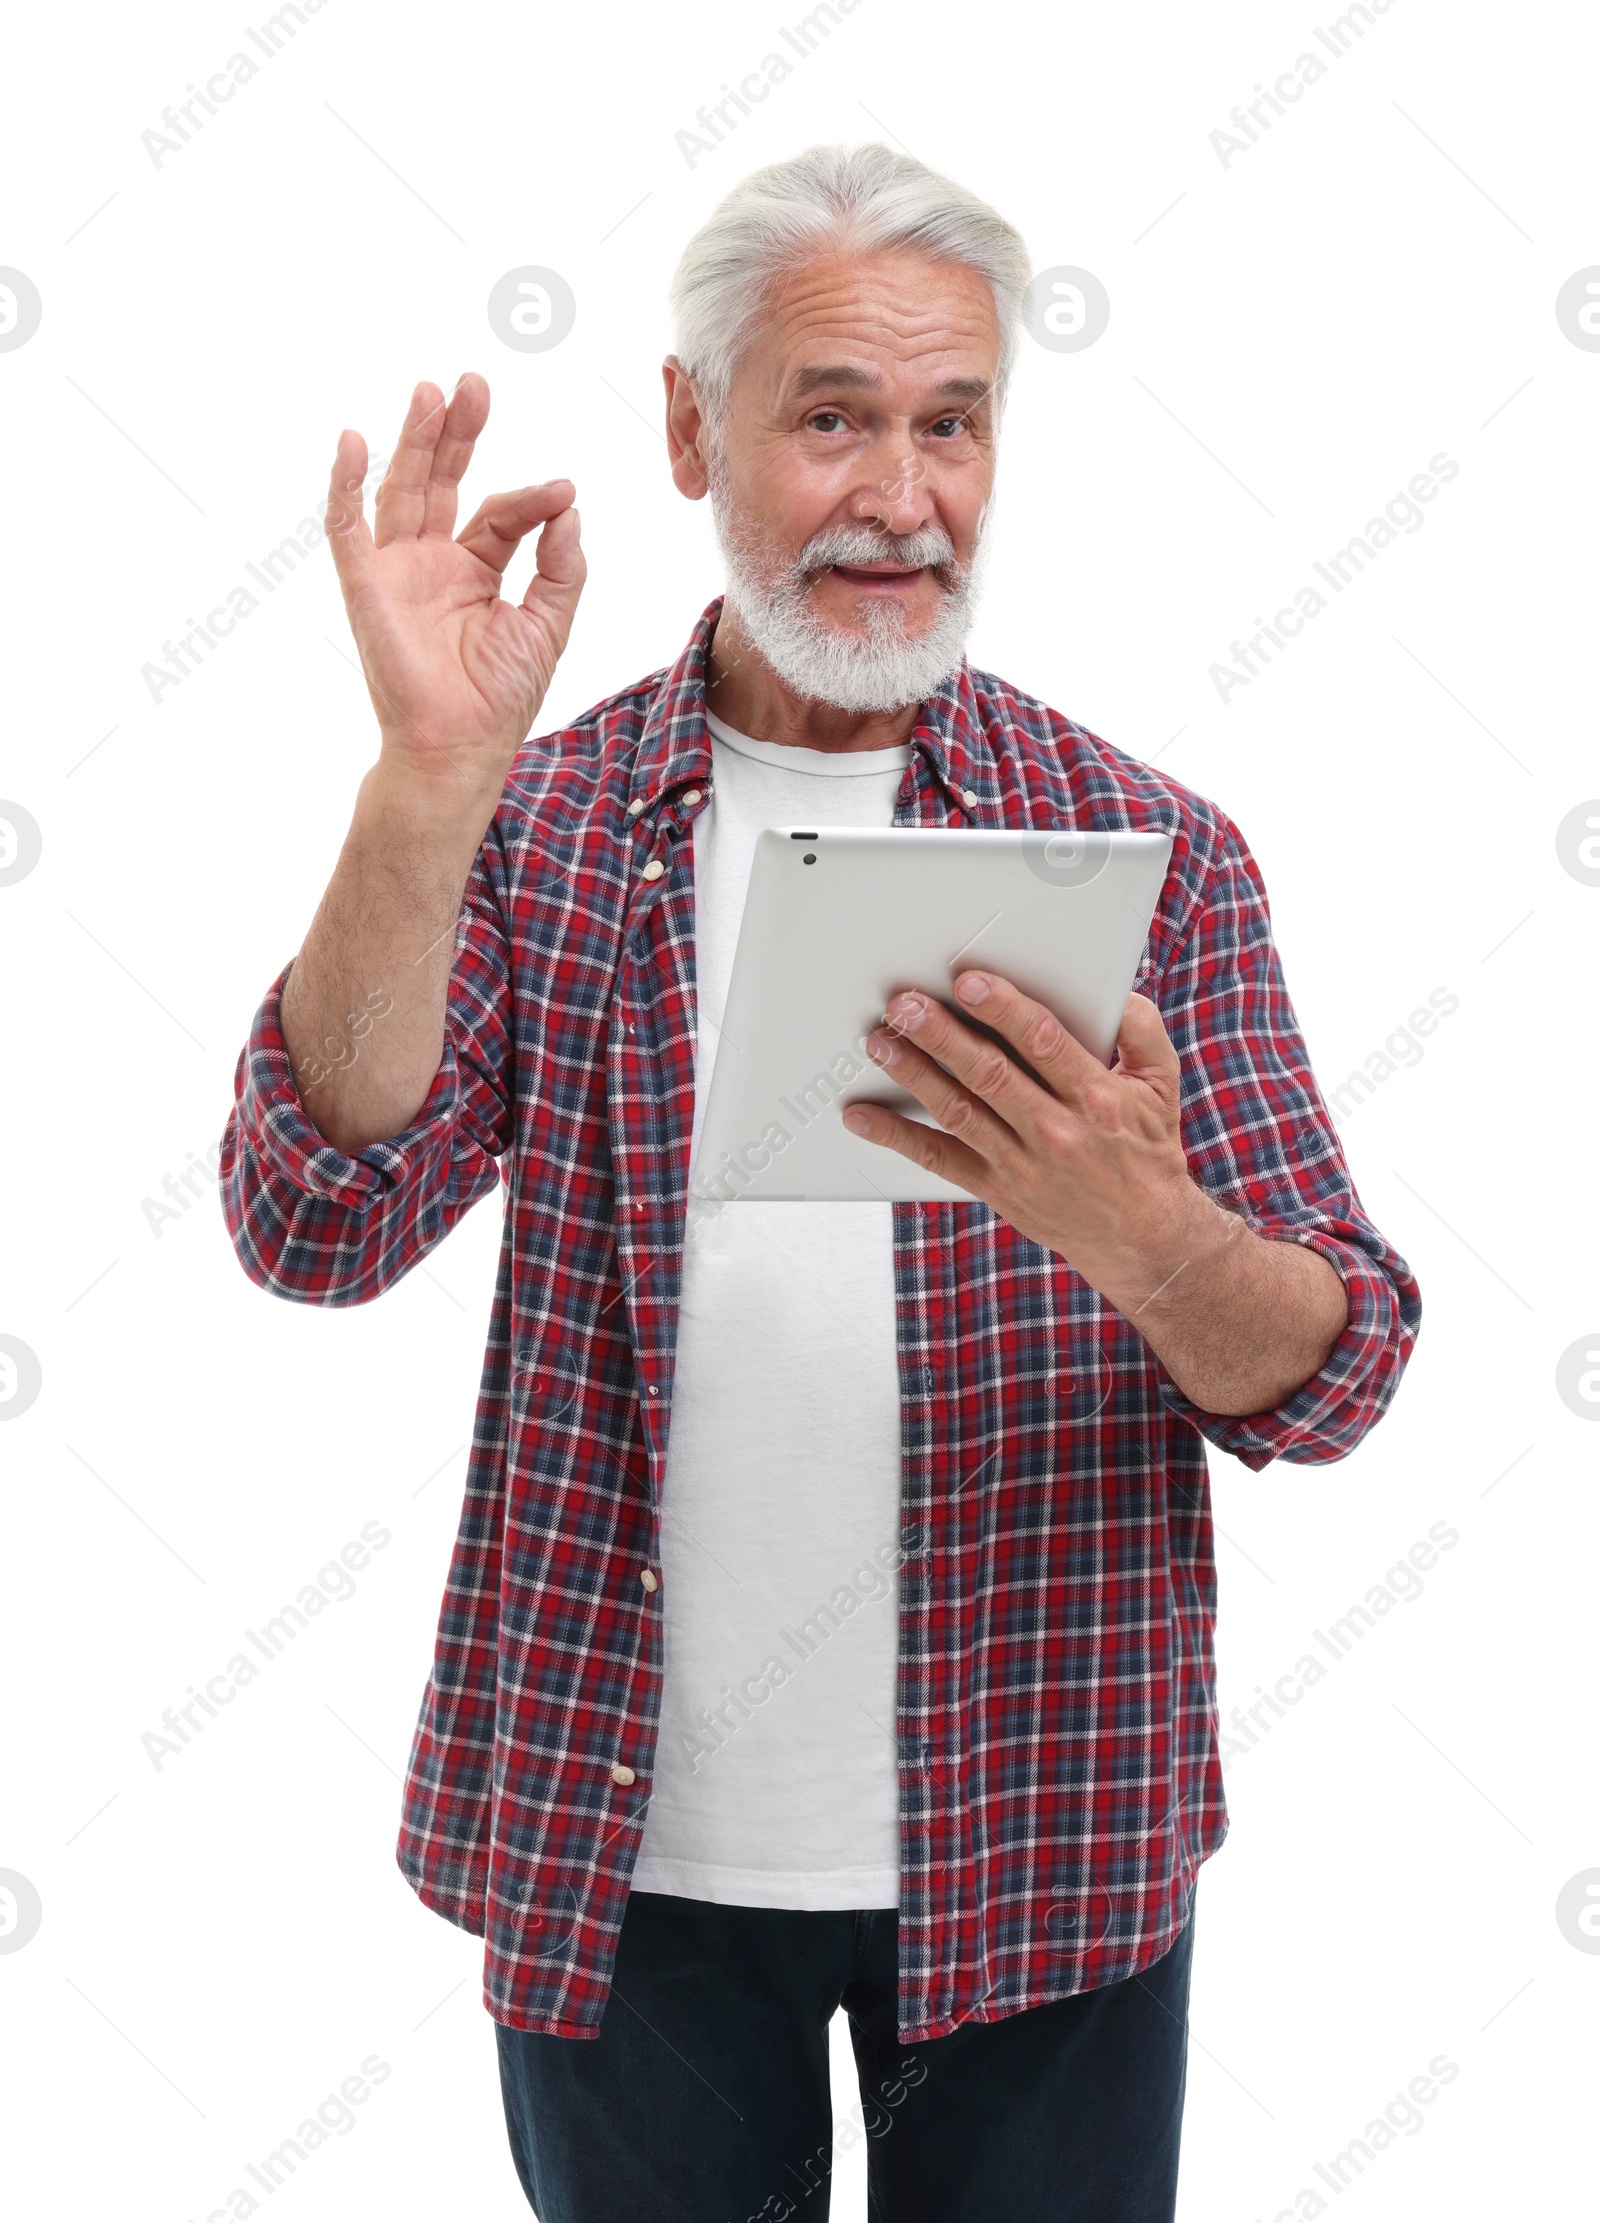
674, 751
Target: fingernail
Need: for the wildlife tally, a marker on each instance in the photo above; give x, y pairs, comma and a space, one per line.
973, 988
908, 1012
883, 1049
858, 1122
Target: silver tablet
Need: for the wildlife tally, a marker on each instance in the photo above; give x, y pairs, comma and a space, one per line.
836, 921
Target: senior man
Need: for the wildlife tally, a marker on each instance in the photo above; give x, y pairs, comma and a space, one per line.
882, 1677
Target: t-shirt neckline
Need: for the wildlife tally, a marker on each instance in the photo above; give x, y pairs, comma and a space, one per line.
820, 763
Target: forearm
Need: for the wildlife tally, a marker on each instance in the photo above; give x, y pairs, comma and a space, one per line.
1238, 1321
363, 1009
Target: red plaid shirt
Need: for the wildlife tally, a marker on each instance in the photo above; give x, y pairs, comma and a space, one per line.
1059, 1774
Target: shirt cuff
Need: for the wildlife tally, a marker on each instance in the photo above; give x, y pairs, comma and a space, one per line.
269, 1119
1328, 1415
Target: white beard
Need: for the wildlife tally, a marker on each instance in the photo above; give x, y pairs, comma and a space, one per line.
888, 669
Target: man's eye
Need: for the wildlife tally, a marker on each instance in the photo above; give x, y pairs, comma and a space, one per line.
948, 427
825, 420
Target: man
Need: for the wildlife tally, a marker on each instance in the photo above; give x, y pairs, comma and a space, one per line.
883, 1676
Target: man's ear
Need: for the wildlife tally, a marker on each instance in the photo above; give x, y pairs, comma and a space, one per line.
686, 432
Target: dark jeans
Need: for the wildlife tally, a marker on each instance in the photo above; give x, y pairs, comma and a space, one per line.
705, 2097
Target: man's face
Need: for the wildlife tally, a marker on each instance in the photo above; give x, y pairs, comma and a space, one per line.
853, 474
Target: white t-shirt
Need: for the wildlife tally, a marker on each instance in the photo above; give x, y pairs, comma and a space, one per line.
776, 1774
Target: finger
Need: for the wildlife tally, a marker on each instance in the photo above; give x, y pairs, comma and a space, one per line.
980, 1065
960, 1111
434, 447
465, 418
1062, 1063
402, 501
924, 1146
344, 520
499, 524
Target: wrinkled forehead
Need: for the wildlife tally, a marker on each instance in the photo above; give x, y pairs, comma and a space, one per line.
900, 328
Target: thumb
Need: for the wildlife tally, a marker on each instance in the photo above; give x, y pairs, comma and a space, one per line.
1144, 1047
344, 522
559, 571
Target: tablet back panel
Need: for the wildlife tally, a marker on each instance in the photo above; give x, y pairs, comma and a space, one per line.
836, 921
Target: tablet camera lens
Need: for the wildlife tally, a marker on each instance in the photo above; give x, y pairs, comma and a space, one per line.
810, 857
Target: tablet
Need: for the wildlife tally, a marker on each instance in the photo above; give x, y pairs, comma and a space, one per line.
836, 921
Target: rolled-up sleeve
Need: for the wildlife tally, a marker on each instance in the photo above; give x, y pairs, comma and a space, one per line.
1259, 1139
317, 1226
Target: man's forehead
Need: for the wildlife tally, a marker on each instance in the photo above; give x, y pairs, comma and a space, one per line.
853, 322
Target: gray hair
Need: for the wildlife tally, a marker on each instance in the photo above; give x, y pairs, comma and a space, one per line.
859, 200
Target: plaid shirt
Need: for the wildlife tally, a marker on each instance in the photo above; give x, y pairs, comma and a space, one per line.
1059, 1773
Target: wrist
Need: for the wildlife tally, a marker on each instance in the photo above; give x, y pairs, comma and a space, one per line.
1168, 1260
440, 814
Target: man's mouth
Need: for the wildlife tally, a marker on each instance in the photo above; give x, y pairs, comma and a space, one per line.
879, 574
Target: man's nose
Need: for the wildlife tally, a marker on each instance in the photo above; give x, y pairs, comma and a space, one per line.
895, 493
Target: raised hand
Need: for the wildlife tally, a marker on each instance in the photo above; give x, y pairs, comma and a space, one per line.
456, 673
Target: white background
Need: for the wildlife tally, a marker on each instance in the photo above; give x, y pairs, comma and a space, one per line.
1292, 337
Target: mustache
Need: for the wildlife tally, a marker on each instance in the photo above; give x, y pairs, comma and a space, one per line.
930, 547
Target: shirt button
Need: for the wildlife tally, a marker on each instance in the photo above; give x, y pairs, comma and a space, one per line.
636, 806
969, 795
649, 1580
654, 869
621, 1774
692, 797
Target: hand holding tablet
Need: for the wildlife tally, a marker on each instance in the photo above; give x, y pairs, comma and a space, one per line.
1087, 1162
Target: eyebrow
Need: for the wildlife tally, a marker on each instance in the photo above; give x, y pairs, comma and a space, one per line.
850, 375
